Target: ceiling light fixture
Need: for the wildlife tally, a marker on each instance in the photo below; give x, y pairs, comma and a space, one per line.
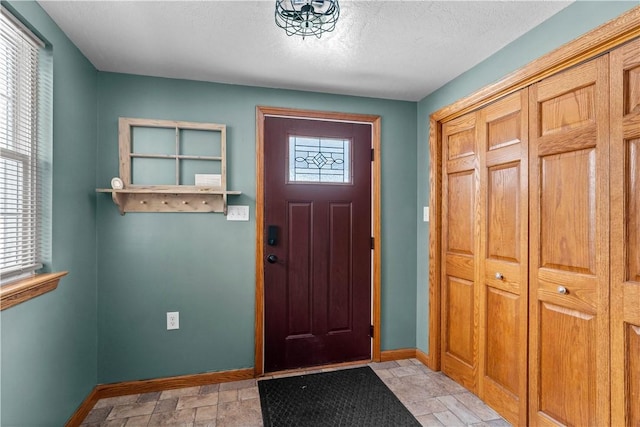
307, 17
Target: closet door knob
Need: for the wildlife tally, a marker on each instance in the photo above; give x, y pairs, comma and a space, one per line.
499, 276
562, 290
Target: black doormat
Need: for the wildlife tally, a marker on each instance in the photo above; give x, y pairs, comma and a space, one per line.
349, 397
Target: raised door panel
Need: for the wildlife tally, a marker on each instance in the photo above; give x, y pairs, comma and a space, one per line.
567, 351
340, 298
625, 235
459, 321
632, 212
503, 340
632, 373
299, 282
569, 247
503, 213
503, 141
459, 345
567, 211
461, 212
461, 144
571, 110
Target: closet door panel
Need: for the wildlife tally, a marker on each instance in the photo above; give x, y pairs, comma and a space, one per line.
631, 408
563, 112
503, 216
625, 234
461, 212
567, 211
460, 320
502, 130
569, 247
567, 355
461, 143
459, 333
632, 214
502, 340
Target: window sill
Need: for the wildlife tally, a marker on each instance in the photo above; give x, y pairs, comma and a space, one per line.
25, 289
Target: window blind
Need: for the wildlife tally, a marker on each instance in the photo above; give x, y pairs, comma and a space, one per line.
20, 175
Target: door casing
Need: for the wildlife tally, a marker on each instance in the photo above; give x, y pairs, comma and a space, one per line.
374, 121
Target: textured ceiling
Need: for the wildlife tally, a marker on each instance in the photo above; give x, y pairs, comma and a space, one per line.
383, 49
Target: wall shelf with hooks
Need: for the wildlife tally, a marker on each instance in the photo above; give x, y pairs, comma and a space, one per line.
177, 197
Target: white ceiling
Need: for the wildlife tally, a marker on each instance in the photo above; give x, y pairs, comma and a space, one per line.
384, 49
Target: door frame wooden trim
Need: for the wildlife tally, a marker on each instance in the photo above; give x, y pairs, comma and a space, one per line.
596, 42
375, 122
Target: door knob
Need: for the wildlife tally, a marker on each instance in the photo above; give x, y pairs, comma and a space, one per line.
562, 290
272, 259
499, 276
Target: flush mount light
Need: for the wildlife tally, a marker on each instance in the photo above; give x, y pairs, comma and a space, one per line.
307, 17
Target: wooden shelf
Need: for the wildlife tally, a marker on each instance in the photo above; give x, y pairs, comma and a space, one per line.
170, 199
169, 189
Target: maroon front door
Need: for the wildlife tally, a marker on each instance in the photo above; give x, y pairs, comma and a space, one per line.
317, 270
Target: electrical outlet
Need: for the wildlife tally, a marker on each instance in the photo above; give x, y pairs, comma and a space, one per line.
173, 320
425, 214
237, 213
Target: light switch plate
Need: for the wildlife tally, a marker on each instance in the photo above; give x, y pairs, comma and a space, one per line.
426, 214
237, 213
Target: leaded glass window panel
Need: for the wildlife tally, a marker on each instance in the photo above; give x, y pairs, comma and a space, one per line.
319, 160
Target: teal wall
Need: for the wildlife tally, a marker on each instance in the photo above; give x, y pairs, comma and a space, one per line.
568, 24
203, 266
49, 344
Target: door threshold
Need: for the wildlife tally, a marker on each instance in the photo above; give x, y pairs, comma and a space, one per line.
314, 369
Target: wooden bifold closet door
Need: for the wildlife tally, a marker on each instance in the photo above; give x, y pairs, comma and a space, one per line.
569, 247
625, 235
460, 290
541, 247
537, 194
484, 310
504, 213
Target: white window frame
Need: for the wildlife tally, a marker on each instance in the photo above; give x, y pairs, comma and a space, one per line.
20, 186
30, 145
